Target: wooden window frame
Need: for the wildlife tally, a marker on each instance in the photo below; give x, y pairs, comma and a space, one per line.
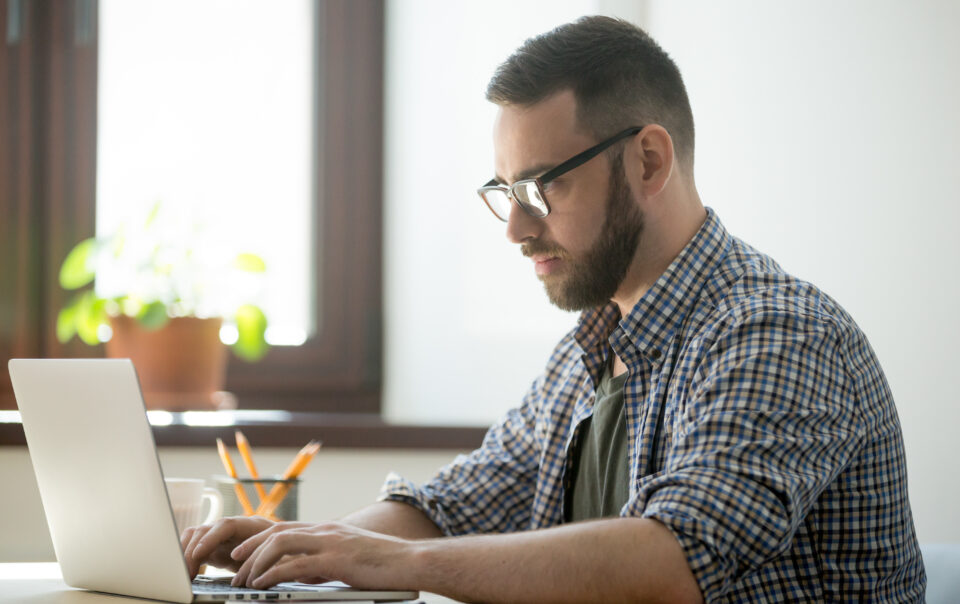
48, 125
48, 121
339, 369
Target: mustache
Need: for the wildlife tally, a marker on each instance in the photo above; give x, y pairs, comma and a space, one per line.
545, 248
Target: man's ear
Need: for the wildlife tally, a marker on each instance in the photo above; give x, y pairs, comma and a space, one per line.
648, 160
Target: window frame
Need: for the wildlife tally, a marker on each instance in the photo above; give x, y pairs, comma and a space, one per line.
48, 122
339, 368
48, 129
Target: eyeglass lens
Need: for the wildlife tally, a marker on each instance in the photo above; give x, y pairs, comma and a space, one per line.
528, 197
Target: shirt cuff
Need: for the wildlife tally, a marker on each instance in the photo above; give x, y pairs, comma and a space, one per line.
398, 488
695, 537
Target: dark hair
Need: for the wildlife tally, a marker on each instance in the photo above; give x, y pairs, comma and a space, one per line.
619, 76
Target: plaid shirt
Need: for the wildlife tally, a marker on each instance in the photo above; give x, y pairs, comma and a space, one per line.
760, 427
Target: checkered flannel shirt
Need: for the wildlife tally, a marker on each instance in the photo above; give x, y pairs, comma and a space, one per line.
778, 463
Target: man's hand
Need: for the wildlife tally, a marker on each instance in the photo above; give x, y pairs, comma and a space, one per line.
212, 543
321, 552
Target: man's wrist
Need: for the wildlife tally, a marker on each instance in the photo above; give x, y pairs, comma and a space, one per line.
417, 557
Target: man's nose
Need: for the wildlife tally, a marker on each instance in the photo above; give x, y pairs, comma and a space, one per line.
522, 226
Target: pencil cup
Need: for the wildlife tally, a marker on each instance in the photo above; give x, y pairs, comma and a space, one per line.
286, 510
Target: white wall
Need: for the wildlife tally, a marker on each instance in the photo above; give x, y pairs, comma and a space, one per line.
827, 136
467, 325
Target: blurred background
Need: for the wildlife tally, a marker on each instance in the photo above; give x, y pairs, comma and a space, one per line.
342, 142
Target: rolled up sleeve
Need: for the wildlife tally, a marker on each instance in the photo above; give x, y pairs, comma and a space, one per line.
490, 490
769, 423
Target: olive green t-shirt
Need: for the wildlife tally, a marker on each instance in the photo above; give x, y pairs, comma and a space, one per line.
602, 474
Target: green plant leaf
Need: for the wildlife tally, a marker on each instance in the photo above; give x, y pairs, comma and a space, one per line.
78, 267
67, 322
251, 329
91, 314
250, 263
153, 315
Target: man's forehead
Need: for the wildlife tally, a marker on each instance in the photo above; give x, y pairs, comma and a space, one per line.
530, 139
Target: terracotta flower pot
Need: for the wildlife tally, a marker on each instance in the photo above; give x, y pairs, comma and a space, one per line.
181, 366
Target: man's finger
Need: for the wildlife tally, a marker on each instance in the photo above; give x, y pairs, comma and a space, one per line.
253, 566
190, 551
240, 577
247, 551
206, 541
185, 537
270, 553
249, 559
290, 570
249, 545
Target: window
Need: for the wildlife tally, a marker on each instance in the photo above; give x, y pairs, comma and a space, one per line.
48, 176
218, 131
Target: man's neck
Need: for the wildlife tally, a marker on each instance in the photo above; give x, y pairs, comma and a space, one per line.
664, 237
618, 367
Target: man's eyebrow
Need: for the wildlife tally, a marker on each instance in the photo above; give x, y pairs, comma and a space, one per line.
531, 172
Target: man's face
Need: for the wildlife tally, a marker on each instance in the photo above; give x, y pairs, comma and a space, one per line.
584, 247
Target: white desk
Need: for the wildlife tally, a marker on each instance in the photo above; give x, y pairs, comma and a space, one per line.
42, 583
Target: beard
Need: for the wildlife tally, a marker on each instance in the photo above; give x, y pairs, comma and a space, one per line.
593, 279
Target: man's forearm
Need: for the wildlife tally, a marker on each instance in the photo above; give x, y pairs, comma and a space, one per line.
623, 559
394, 518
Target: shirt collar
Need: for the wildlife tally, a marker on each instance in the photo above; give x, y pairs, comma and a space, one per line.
658, 314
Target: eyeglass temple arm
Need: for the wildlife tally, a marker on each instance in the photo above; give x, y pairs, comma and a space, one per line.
578, 160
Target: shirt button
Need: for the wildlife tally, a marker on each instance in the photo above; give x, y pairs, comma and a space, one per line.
654, 354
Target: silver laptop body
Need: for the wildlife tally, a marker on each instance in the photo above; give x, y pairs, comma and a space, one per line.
102, 487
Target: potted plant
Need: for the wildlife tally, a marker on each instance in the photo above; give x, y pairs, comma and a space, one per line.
161, 301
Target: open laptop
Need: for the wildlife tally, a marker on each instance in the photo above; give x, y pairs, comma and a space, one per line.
103, 492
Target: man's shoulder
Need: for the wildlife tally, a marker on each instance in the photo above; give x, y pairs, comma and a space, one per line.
750, 287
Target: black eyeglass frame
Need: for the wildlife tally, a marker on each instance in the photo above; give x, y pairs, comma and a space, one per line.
574, 162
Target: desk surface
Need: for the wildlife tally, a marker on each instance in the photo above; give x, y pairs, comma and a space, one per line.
42, 583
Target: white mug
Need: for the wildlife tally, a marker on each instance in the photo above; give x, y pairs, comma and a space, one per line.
186, 498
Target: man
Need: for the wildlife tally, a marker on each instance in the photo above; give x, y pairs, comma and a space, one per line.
713, 428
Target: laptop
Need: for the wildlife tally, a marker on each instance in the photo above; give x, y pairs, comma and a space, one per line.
103, 492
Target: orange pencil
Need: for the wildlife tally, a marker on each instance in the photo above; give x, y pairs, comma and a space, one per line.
244, 447
296, 466
279, 491
232, 472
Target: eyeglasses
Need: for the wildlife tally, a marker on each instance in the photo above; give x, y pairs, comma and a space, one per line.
528, 193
